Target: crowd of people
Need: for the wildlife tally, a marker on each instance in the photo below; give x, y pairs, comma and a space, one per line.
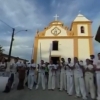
76, 78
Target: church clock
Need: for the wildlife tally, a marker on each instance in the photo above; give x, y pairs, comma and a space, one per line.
56, 31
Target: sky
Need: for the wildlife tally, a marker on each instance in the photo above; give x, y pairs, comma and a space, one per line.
34, 15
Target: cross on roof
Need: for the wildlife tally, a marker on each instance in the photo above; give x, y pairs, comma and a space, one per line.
56, 16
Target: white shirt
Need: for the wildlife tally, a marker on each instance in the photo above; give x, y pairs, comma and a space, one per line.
14, 66
58, 70
41, 70
68, 70
97, 63
50, 66
78, 71
63, 68
90, 67
31, 71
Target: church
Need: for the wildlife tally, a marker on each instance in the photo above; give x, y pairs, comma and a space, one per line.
57, 41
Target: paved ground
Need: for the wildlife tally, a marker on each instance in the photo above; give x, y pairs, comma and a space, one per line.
36, 95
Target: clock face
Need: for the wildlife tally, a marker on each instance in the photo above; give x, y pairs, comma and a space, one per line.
55, 31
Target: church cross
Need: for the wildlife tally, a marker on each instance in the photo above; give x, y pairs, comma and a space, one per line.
56, 16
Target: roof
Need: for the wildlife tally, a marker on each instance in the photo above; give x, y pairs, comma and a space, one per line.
81, 17
5, 55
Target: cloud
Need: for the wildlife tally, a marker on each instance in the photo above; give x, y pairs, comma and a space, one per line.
37, 14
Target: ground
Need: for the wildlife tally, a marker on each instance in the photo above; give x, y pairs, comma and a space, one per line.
36, 95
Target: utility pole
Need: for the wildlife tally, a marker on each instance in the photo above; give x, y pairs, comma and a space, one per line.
11, 43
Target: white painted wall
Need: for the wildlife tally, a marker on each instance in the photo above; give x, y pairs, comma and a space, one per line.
83, 49
66, 49
79, 31
63, 31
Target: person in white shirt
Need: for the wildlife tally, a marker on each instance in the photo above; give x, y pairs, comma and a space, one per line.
14, 70
52, 72
89, 78
97, 71
78, 79
32, 69
58, 71
41, 75
63, 79
70, 76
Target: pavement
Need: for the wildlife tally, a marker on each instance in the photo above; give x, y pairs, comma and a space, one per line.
39, 94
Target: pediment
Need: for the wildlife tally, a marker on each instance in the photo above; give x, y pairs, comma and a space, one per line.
55, 28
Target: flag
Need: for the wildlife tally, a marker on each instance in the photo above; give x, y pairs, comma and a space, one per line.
97, 37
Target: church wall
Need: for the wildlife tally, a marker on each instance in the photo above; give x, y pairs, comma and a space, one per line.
85, 28
63, 31
66, 49
83, 49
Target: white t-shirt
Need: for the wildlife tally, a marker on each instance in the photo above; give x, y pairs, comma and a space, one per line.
14, 67
97, 63
41, 70
78, 70
50, 66
31, 71
58, 70
63, 68
90, 67
68, 70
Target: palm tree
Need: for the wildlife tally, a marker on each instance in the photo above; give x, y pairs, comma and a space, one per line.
1, 50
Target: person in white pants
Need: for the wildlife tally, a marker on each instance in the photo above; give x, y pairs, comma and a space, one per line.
89, 78
41, 75
52, 72
97, 71
63, 79
13, 69
32, 69
58, 65
70, 77
78, 79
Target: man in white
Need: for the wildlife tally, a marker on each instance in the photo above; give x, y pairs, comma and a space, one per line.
13, 70
41, 75
63, 79
32, 69
52, 72
58, 74
70, 76
78, 78
97, 71
89, 79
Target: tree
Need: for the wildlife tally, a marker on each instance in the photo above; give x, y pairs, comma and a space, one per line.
1, 50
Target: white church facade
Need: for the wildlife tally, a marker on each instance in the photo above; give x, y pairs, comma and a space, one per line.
74, 42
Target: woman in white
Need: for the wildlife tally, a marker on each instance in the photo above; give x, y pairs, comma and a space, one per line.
52, 72
41, 75
58, 74
63, 79
97, 71
32, 69
89, 79
70, 77
79, 80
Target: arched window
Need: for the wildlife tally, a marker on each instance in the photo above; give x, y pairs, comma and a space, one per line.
54, 45
82, 29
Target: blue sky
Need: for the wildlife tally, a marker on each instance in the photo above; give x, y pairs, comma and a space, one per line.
37, 14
